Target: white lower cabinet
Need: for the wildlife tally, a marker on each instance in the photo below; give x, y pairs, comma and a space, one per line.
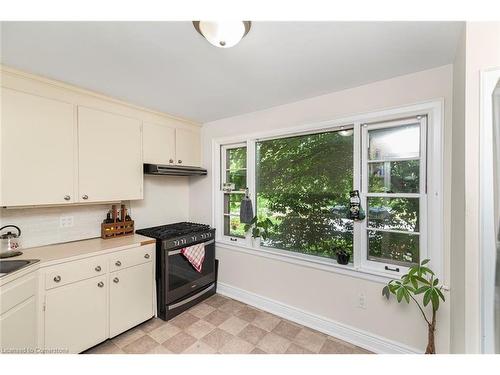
18, 315
82, 310
76, 315
130, 297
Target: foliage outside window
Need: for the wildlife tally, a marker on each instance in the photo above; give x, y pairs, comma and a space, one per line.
235, 172
302, 185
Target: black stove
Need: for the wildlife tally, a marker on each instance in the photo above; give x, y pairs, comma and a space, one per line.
165, 232
179, 286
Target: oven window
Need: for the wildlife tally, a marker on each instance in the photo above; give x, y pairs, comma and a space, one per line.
182, 273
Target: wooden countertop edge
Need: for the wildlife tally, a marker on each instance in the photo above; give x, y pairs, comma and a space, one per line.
147, 242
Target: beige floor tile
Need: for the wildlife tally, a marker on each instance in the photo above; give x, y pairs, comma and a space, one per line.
236, 346
217, 317
335, 347
199, 347
257, 351
233, 325
273, 344
199, 329
151, 324
216, 301
296, 349
217, 338
252, 334
179, 342
127, 337
201, 310
231, 307
287, 329
160, 349
309, 339
164, 332
107, 347
247, 313
184, 320
141, 345
266, 321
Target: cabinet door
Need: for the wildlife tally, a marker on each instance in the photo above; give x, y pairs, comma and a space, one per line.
130, 297
110, 156
18, 327
76, 315
188, 147
158, 144
37, 150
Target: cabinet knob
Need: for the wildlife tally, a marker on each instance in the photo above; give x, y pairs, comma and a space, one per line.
98, 269
180, 161
171, 160
57, 279
67, 197
85, 197
118, 263
116, 280
146, 256
100, 284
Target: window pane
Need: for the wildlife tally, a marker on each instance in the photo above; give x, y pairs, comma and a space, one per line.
238, 178
236, 158
394, 213
233, 227
396, 142
232, 203
303, 186
398, 248
394, 177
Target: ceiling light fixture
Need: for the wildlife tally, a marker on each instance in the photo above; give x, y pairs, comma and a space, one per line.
223, 34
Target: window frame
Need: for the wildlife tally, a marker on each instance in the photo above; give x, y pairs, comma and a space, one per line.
434, 242
394, 267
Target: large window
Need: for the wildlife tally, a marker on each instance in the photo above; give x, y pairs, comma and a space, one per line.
301, 183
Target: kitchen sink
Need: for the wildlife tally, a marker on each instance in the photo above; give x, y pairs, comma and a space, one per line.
9, 266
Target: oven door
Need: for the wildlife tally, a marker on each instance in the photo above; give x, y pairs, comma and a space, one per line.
183, 279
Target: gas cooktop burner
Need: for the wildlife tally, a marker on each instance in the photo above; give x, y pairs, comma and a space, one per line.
164, 232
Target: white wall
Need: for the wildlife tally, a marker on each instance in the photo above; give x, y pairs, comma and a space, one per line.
324, 293
166, 200
458, 198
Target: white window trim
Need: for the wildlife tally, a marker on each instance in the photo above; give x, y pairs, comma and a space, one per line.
435, 149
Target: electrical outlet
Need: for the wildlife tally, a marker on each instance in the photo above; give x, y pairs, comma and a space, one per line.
65, 221
362, 301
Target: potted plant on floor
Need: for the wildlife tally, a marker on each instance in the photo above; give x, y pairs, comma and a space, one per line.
420, 280
260, 229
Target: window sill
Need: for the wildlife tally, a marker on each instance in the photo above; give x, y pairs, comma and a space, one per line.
323, 264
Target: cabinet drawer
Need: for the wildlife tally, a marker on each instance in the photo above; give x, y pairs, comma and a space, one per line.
17, 291
131, 257
70, 272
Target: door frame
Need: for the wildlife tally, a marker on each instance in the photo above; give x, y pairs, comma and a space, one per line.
489, 81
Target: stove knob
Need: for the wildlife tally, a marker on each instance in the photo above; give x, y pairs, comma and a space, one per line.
193, 238
176, 243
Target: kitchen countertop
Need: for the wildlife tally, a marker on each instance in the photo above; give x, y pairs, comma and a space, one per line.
58, 253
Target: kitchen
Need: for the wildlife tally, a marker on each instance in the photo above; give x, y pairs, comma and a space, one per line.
141, 215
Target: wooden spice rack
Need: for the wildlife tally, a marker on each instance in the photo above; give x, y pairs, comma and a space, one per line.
117, 229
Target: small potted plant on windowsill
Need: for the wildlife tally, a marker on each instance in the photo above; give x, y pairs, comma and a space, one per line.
260, 229
342, 256
420, 279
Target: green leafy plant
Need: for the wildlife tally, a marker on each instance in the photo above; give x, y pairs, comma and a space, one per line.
260, 227
420, 280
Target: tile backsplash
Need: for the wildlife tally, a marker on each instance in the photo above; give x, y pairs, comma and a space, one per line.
166, 200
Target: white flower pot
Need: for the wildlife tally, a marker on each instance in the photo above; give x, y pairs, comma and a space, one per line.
256, 242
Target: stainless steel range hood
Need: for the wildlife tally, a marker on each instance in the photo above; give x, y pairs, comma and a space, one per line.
173, 170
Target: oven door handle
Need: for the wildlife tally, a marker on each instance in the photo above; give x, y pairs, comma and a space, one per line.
175, 252
187, 300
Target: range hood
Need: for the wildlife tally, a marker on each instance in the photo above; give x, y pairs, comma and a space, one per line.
173, 170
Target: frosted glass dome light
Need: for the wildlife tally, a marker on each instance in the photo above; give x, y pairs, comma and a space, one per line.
222, 34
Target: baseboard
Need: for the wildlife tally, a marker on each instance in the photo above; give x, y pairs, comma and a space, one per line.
363, 339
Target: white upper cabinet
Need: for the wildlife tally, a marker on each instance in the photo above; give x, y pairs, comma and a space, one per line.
158, 144
109, 156
37, 150
187, 147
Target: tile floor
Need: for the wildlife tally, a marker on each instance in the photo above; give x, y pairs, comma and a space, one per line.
223, 325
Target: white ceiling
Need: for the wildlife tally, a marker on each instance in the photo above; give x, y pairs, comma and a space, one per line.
168, 66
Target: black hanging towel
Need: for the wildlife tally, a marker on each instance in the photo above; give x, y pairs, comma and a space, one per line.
246, 209
355, 210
